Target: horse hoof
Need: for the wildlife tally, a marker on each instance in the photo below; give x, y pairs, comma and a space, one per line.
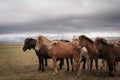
54, 73
111, 75
97, 74
78, 74
72, 70
43, 70
67, 69
39, 69
46, 65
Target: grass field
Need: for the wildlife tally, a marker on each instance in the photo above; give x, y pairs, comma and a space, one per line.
18, 65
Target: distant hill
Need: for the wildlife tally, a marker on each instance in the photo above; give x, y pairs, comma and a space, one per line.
21, 38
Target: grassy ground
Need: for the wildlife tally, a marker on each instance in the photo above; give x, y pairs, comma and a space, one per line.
18, 65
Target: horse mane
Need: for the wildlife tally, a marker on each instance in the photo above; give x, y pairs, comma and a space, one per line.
75, 38
28, 39
42, 38
102, 40
45, 40
64, 40
86, 38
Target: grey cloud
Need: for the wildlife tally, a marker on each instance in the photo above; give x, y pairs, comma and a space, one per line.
69, 16
69, 24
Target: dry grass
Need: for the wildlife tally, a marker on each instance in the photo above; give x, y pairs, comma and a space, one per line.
18, 65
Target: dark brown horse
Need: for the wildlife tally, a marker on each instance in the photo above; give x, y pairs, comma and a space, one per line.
84, 41
109, 52
30, 43
58, 49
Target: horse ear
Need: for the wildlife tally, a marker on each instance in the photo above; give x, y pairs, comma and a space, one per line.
30, 39
55, 42
104, 40
39, 37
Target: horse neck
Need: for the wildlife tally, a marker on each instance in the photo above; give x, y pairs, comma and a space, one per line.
89, 45
33, 47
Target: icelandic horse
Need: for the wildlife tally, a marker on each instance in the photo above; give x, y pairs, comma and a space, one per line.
58, 49
84, 54
110, 52
86, 42
29, 43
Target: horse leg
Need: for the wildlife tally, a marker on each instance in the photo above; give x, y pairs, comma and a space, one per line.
91, 63
61, 63
110, 66
115, 66
71, 60
78, 66
46, 64
54, 65
88, 63
96, 64
103, 64
42, 62
39, 63
84, 62
77, 63
67, 61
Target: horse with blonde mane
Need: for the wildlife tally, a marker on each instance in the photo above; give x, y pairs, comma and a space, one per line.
58, 49
84, 54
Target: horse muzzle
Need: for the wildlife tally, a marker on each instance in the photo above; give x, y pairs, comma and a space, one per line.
36, 48
24, 48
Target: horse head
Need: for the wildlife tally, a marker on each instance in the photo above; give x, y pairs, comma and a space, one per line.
100, 44
29, 43
43, 41
84, 41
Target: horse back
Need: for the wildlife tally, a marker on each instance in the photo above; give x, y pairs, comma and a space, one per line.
63, 49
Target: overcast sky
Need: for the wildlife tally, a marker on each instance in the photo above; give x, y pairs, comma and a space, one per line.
58, 16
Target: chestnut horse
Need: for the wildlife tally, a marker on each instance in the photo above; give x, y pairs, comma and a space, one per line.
30, 43
84, 54
58, 49
84, 41
67, 59
109, 52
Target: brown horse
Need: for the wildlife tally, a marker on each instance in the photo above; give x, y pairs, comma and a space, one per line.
84, 54
109, 52
58, 49
67, 59
84, 41
117, 44
42, 54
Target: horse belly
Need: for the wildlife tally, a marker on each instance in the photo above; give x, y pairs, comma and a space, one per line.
64, 53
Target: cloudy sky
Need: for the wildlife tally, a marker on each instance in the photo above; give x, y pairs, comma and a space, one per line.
60, 16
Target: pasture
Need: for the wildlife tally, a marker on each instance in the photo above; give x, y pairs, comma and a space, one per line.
18, 65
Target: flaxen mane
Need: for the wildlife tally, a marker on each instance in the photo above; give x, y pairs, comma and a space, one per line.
45, 41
